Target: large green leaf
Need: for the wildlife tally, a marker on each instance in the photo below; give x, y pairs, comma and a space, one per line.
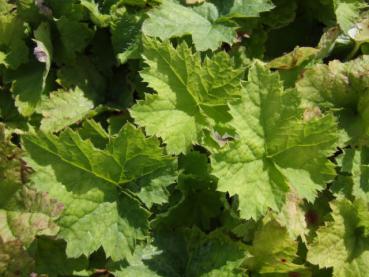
191, 95
94, 216
276, 148
342, 89
90, 190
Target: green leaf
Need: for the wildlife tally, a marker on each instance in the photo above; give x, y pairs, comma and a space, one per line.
116, 165
277, 149
340, 88
10, 115
5, 6
29, 81
348, 12
125, 36
283, 13
140, 156
181, 108
74, 36
28, 87
33, 11
199, 205
56, 264
89, 191
95, 133
293, 59
355, 168
328, 41
174, 20
187, 253
94, 216
273, 250
214, 254
56, 110
100, 19
82, 73
44, 48
61, 153
243, 8
152, 188
156, 171
340, 242
13, 50
165, 255
69, 8
292, 64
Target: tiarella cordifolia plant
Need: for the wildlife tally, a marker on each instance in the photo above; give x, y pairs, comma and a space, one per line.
184, 138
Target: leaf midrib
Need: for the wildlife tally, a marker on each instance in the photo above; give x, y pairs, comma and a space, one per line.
71, 163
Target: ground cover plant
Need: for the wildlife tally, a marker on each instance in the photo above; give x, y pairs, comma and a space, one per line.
184, 138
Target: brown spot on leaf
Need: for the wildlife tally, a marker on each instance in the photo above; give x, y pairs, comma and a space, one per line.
311, 217
311, 113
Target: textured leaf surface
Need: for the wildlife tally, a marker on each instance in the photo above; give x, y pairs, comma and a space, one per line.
354, 173
24, 213
340, 243
174, 20
74, 37
125, 36
243, 8
82, 73
273, 251
121, 218
10, 168
28, 86
204, 255
90, 193
340, 87
17, 51
177, 113
14, 259
348, 12
56, 264
57, 112
259, 166
292, 216
184, 138
30, 79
